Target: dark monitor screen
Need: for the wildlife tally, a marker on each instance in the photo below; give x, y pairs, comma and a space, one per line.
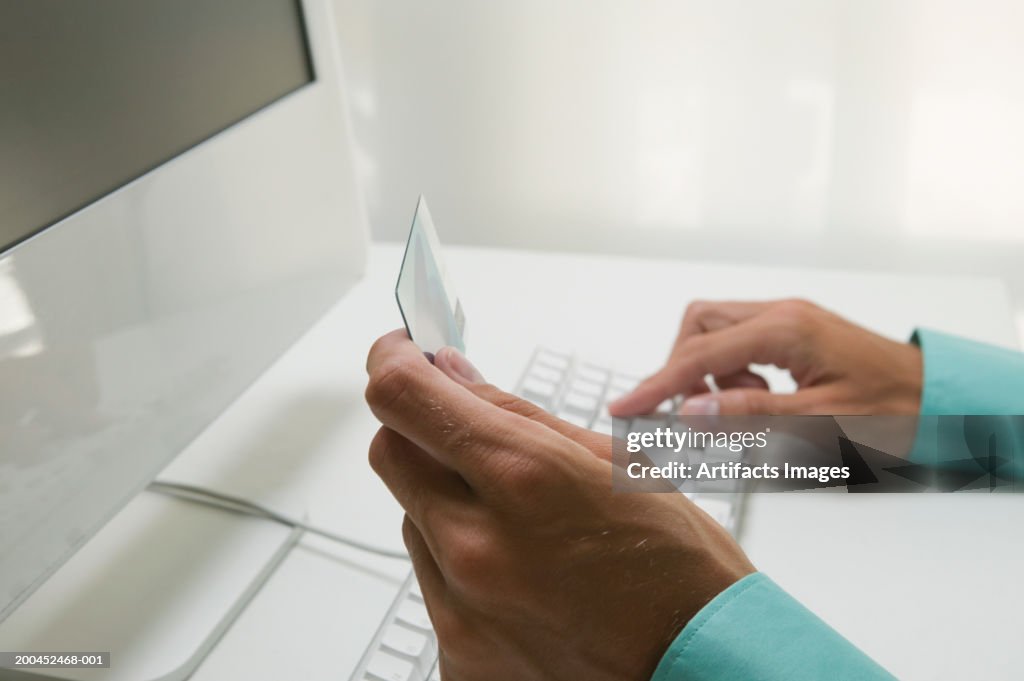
94, 94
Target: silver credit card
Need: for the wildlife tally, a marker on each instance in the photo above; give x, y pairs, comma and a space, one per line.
430, 309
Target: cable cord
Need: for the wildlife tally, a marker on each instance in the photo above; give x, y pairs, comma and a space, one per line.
227, 502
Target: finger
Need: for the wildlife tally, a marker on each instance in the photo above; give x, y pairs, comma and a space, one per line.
445, 419
389, 340
707, 316
741, 379
458, 368
748, 401
701, 317
648, 394
599, 444
424, 487
723, 352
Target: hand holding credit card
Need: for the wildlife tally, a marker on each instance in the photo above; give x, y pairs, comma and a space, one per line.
431, 311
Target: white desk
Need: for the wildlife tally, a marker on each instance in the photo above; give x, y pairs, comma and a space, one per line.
929, 585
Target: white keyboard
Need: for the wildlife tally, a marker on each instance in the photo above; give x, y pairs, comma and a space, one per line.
404, 647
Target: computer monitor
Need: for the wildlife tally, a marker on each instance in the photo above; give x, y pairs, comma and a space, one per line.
177, 206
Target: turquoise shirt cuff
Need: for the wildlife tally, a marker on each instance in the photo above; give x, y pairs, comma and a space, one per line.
966, 377
755, 630
983, 386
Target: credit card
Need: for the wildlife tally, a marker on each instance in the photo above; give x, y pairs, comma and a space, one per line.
431, 311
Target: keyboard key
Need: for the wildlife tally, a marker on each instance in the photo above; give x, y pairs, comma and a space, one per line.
593, 374
551, 359
436, 674
588, 387
547, 374
618, 388
612, 395
622, 382
390, 668
406, 641
414, 614
581, 403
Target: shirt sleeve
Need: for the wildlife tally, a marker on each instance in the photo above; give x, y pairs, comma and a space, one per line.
982, 386
755, 630
966, 377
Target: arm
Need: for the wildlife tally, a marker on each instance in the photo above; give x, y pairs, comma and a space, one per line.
839, 368
754, 629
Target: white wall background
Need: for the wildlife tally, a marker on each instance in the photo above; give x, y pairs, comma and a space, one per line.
865, 134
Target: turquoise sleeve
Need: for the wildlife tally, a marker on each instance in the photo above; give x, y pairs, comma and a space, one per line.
755, 630
983, 386
966, 377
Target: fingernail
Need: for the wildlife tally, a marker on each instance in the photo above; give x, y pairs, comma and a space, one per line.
700, 405
455, 364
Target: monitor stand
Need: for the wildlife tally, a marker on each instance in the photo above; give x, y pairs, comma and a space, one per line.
156, 588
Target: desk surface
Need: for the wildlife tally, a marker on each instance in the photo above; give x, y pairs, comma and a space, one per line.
928, 584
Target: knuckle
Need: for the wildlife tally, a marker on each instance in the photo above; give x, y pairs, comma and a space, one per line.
796, 310
472, 561
698, 307
796, 319
510, 460
388, 383
523, 477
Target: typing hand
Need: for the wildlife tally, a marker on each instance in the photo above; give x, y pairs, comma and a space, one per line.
530, 567
839, 367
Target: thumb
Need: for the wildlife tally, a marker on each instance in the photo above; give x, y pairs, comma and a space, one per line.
741, 401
